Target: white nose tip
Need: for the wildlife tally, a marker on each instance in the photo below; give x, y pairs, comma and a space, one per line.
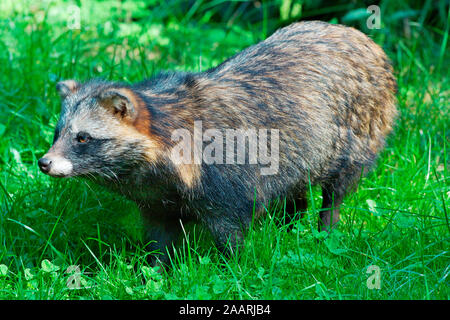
60, 166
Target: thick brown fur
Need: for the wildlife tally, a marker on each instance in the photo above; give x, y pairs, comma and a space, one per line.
328, 89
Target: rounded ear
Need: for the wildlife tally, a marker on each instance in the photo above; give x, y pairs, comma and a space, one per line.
66, 87
121, 101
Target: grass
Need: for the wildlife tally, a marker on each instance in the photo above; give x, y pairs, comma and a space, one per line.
397, 220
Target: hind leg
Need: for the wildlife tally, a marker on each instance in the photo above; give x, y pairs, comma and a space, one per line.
329, 216
333, 195
299, 204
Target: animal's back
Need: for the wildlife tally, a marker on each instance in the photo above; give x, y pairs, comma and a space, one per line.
314, 68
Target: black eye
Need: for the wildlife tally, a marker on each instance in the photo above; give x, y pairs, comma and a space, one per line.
83, 137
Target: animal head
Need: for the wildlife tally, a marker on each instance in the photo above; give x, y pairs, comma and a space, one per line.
103, 130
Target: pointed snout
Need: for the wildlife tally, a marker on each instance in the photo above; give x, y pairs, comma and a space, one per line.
44, 165
55, 165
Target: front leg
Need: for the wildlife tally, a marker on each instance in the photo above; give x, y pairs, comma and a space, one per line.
228, 233
162, 231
